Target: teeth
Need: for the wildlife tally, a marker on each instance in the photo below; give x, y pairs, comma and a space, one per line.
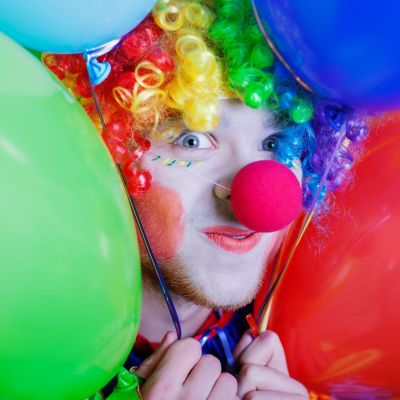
239, 237
232, 236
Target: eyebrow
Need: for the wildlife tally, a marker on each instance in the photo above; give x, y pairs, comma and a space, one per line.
280, 122
274, 123
225, 122
270, 122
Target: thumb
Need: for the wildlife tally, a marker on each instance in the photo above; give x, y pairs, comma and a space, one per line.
150, 363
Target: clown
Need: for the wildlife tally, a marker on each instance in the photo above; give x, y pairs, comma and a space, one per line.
194, 95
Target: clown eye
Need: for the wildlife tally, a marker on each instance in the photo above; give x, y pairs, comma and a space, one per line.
270, 143
194, 140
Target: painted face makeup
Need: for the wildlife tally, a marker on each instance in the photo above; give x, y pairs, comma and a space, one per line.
162, 204
171, 162
206, 255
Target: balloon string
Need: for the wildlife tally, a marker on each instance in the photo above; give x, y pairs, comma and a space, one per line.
226, 348
153, 261
262, 315
274, 48
207, 179
190, 172
97, 105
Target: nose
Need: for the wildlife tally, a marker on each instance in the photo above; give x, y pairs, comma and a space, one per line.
266, 196
222, 184
222, 191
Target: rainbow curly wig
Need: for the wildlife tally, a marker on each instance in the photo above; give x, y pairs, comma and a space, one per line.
179, 61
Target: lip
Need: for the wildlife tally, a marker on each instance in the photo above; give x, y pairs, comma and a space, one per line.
231, 239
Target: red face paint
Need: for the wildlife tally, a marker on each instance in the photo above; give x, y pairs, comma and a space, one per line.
161, 212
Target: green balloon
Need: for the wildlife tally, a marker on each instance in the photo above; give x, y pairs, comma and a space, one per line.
70, 281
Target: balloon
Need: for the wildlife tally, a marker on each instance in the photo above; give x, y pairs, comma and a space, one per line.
72, 26
336, 309
345, 50
70, 276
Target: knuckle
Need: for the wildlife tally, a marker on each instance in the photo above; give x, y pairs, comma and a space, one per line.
274, 338
212, 362
246, 372
193, 346
229, 381
270, 339
250, 396
189, 346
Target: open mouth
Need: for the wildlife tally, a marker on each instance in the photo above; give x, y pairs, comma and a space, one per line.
232, 239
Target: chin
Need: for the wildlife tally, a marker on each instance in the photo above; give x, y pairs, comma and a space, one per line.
230, 294
223, 302
228, 281
217, 290
213, 278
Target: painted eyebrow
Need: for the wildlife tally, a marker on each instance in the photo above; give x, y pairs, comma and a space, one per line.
271, 126
267, 122
225, 122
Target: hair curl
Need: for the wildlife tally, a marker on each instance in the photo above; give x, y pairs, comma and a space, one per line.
185, 56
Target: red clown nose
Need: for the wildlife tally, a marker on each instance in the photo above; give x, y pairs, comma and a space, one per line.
265, 196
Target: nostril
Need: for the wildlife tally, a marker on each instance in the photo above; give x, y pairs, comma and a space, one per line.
222, 192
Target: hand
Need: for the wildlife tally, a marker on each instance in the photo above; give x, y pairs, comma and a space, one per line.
178, 371
264, 373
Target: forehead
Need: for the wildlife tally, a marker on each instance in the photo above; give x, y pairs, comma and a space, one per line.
235, 114
235, 119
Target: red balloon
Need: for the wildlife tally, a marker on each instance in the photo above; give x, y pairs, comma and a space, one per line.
337, 307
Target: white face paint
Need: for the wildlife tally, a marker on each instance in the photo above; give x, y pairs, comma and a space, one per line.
207, 256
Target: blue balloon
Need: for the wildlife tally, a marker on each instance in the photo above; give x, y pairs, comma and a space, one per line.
346, 50
72, 26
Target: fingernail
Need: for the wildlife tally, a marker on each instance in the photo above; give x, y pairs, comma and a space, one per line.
164, 339
168, 338
248, 337
171, 336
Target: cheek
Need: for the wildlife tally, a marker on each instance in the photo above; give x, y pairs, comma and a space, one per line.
161, 212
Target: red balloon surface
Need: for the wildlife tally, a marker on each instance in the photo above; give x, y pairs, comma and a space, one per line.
337, 307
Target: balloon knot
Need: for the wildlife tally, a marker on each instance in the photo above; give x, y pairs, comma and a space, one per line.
99, 71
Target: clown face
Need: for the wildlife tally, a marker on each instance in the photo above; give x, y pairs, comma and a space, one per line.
205, 254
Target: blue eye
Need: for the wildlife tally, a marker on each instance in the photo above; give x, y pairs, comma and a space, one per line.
191, 141
194, 140
270, 143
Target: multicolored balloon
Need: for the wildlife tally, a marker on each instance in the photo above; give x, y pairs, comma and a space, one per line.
344, 50
73, 26
70, 271
336, 309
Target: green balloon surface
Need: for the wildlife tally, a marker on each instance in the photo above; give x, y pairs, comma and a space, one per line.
70, 280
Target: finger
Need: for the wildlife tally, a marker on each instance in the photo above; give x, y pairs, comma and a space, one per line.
266, 350
202, 378
256, 377
179, 359
271, 395
224, 388
244, 342
148, 365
